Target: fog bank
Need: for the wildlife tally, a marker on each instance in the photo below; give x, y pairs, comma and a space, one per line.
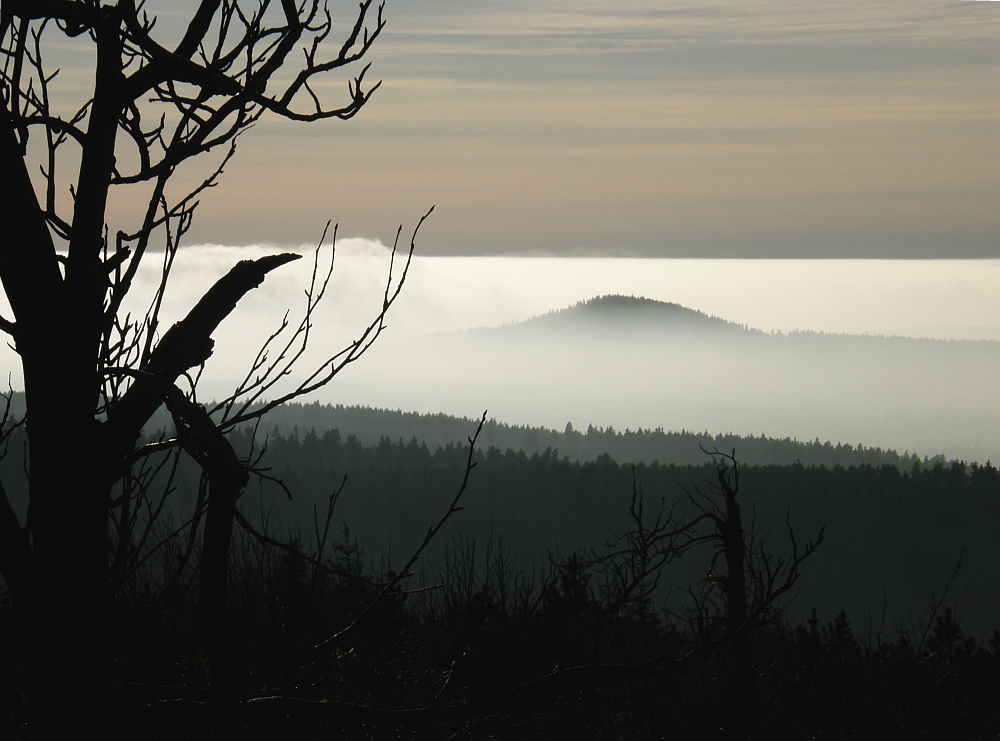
887, 397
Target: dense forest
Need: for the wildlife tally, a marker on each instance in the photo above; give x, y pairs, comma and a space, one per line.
513, 624
369, 426
894, 536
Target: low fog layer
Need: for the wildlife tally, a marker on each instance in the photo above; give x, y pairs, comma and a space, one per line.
629, 370
637, 363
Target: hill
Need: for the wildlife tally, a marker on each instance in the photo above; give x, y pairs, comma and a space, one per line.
629, 313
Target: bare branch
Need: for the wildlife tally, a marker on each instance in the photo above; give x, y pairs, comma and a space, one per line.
432, 531
240, 406
186, 344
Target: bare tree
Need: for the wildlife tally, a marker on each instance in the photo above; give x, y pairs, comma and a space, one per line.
746, 583
753, 584
93, 374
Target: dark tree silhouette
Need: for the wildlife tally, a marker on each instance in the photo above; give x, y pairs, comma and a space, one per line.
752, 585
93, 374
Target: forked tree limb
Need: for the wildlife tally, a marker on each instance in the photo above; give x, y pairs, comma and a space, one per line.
185, 345
227, 477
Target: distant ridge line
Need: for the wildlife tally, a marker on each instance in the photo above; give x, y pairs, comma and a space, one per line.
371, 425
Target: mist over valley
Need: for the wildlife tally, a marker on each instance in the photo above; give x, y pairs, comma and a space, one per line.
885, 353
631, 362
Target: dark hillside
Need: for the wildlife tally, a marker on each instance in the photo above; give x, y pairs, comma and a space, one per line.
625, 446
893, 537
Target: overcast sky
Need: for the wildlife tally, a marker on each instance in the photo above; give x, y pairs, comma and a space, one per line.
860, 128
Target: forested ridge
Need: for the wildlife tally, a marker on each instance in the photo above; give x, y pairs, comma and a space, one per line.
370, 425
647, 445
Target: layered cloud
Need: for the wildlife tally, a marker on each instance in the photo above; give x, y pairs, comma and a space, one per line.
659, 129
653, 128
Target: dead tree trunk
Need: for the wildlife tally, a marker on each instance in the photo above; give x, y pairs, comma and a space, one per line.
730, 532
227, 477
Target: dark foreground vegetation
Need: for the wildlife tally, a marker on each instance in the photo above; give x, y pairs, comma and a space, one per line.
483, 657
626, 632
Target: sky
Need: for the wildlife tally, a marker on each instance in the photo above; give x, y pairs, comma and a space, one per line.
855, 128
